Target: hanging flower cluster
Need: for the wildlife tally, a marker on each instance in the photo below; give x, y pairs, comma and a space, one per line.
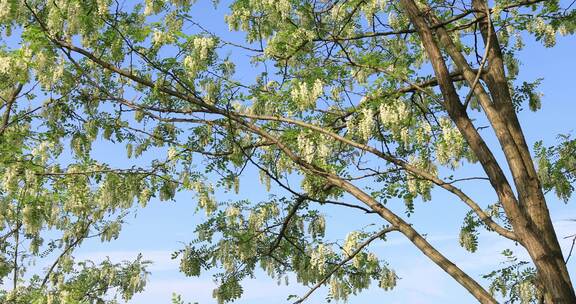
305, 96
200, 56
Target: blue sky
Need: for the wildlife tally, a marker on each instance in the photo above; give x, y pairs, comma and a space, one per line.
164, 227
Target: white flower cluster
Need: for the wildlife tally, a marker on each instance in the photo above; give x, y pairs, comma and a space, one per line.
256, 219
49, 70
151, 7
211, 91
103, 6
393, 116
393, 20
361, 74
468, 240
318, 149
198, 59
238, 20
73, 12
318, 258
526, 292
259, 216
423, 132
420, 186
5, 9
351, 243
144, 196
306, 147
15, 67
372, 7
393, 113
306, 96
10, 178
172, 153
264, 179
232, 215
451, 147
281, 7
55, 18
205, 199
563, 30
160, 38
367, 124
338, 290
337, 12
204, 45
387, 279
41, 150
539, 27
317, 227
513, 32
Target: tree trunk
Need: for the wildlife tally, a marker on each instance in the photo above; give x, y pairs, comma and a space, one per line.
558, 284
528, 214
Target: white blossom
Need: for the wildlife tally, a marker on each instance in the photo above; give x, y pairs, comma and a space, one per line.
172, 153
351, 243
318, 258
203, 45
392, 113
306, 96
306, 147
367, 123
5, 9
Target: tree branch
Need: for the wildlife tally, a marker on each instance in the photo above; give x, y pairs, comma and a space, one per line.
9, 105
346, 260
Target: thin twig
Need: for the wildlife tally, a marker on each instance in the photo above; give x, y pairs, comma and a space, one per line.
482, 63
346, 260
571, 247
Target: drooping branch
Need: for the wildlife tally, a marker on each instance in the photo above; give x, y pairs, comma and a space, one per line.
418, 240
344, 261
406, 166
66, 250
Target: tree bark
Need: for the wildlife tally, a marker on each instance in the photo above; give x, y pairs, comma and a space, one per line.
529, 214
532, 198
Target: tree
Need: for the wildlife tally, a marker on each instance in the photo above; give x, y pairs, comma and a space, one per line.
363, 100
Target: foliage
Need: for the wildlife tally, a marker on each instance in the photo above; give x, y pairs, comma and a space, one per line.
342, 100
557, 166
516, 282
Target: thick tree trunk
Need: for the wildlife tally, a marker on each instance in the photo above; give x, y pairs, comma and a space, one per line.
559, 286
528, 214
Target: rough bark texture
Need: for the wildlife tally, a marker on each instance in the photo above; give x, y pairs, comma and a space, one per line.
528, 214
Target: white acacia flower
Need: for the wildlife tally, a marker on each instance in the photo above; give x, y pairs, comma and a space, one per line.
5, 9
351, 243
172, 153
203, 45
367, 123
318, 258
306, 147
306, 96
